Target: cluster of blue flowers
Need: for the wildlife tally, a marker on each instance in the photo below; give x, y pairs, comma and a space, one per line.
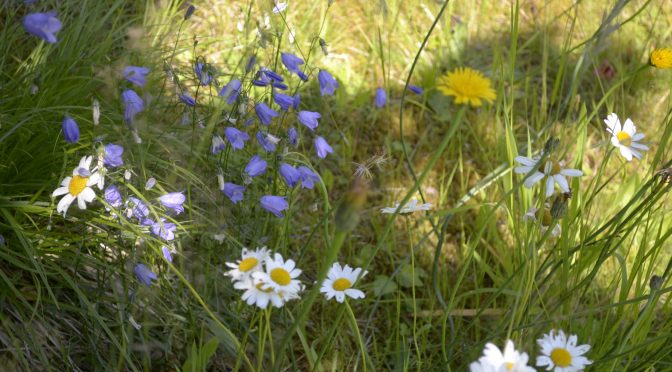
269, 120
151, 217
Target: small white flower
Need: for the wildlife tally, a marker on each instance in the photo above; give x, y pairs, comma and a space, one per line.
279, 7
561, 354
96, 112
127, 175
410, 207
134, 323
150, 183
545, 219
272, 139
626, 137
494, 360
77, 187
251, 262
554, 172
280, 275
136, 136
339, 283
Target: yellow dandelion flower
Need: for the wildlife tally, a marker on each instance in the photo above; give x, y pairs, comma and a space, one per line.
661, 58
467, 86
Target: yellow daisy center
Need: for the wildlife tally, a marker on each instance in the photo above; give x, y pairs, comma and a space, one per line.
260, 287
467, 86
561, 357
624, 138
248, 264
281, 276
509, 366
341, 284
662, 58
556, 168
77, 185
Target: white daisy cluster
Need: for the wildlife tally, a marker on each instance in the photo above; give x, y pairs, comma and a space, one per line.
268, 279
264, 278
558, 353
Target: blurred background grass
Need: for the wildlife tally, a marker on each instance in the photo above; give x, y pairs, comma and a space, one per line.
559, 68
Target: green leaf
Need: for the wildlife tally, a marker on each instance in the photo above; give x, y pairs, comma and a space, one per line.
406, 277
384, 285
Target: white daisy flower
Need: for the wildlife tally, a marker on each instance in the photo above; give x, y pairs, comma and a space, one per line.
410, 207
527, 166
339, 283
280, 275
626, 137
561, 354
555, 173
252, 261
258, 293
545, 219
493, 360
77, 187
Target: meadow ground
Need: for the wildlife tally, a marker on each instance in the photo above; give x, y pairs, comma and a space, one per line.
162, 271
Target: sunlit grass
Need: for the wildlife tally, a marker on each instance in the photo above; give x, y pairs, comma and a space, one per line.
440, 285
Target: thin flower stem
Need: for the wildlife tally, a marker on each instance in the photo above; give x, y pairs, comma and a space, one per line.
331, 336
355, 327
331, 254
415, 305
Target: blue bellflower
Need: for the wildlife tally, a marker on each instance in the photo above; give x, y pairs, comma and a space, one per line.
138, 207
136, 75
218, 144
174, 201
187, 100
144, 274
266, 76
265, 113
309, 119
133, 104
167, 254
162, 229
256, 166
70, 130
293, 136
233, 192
236, 137
43, 25
291, 175
292, 63
381, 97
112, 196
266, 144
297, 101
250, 63
322, 148
203, 73
274, 204
231, 91
283, 100
416, 89
308, 177
112, 157
327, 82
